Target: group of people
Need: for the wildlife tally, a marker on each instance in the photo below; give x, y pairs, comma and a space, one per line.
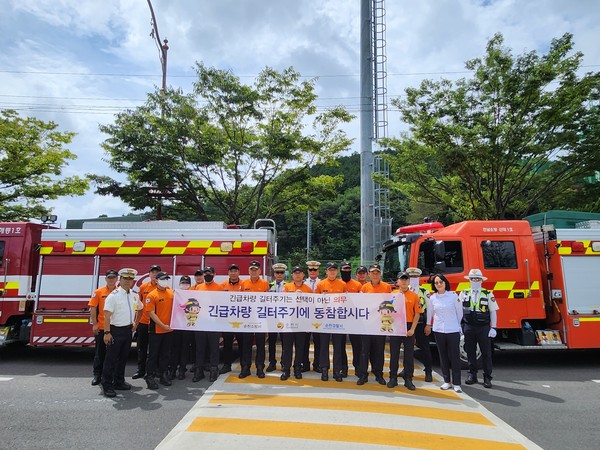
164, 354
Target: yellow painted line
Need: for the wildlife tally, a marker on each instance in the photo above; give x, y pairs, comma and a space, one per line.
199, 244
504, 285
110, 244
66, 320
129, 250
343, 433
288, 401
155, 244
173, 250
332, 384
589, 319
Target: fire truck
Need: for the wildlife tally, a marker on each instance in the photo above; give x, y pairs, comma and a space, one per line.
540, 269
47, 275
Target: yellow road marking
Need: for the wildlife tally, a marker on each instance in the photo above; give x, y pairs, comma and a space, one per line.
342, 433
350, 405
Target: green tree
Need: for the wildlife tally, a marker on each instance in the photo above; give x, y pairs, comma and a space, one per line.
493, 145
244, 149
32, 159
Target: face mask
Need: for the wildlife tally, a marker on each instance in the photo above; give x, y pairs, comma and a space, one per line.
414, 283
346, 276
184, 286
208, 278
476, 285
163, 283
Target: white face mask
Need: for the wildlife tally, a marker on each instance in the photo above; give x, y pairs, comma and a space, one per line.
476, 285
414, 283
163, 283
184, 286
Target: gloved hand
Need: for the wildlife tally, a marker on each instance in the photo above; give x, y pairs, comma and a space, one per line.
492, 333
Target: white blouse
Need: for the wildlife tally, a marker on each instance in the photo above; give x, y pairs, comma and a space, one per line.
446, 311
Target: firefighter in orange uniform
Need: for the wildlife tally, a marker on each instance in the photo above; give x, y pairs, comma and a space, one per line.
373, 346
413, 312
353, 286
253, 284
233, 283
141, 327
207, 339
295, 339
159, 304
96, 305
331, 285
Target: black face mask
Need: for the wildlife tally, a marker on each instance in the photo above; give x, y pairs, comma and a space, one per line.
346, 275
208, 278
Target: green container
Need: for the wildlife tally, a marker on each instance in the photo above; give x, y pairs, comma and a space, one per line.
561, 219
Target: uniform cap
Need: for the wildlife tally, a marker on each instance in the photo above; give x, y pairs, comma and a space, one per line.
346, 265
208, 269
374, 267
185, 279
154, 267
414, 272
361, 269
199, 272
313, 264
475, 273
403, 275
297, 269
279, 267
162, 276
128, 274
254, 263
331, 265
234, 266
386, 305
110, 272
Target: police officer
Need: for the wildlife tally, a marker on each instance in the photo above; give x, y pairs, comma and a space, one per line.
121, 310
313, 279
479, 326
422, 341
277, 285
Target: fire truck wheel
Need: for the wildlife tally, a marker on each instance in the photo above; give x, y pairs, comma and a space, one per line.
464, 362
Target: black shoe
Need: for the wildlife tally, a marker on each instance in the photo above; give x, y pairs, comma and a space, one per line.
284, 376
198, 375
122, 386
298, 374
409, 384
393, 382
338, 377
164, 380
214, 374
244, 373
344, 373
471, 379
109, 392
138, 374
226, 368
362, 380
96, 380
272, 366
181, 374
428, 377
380, 380
487, 382
324, 374
151, 383
260, 372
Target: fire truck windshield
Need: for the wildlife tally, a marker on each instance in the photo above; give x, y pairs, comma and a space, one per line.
396, 258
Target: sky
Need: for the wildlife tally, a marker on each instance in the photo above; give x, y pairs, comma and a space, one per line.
78, 63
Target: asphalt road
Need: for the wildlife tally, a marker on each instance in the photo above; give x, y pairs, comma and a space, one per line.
47, 402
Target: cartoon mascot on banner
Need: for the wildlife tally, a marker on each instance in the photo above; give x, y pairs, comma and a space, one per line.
192, 310
386, 309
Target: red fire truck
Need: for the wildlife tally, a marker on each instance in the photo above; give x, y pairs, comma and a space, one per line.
542, 275
48, 275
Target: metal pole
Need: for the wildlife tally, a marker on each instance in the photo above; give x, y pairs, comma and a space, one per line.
162, 47
367, 229
308, 235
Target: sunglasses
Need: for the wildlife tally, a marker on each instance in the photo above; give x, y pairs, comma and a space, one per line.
476, 279
279, 272
310, 269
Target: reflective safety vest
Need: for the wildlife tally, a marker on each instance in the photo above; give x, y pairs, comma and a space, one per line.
476, 310
423, 296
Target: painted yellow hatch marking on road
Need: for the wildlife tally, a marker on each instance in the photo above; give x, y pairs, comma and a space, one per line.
343, 433
371, 386
289, 401
66, 320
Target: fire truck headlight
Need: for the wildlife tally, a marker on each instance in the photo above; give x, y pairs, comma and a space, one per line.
79, 246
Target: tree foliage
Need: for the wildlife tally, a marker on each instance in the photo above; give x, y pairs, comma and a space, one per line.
32, 159
498, 144
244, 149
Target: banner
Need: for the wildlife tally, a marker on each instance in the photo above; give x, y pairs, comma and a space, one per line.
263, 312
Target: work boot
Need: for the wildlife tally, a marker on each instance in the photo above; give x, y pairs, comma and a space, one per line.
181, 374
324, 374
338, 377
271, 367
285, 375
151, 382
122, 386
487, 382
109, 392
164, 380
362, 380
214, 374
138, 374
244, 372
260, 372
96, 380
393, 382
471, 379
226, 368
297, 374
428, 377
409, 384
198, 375
379, 378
